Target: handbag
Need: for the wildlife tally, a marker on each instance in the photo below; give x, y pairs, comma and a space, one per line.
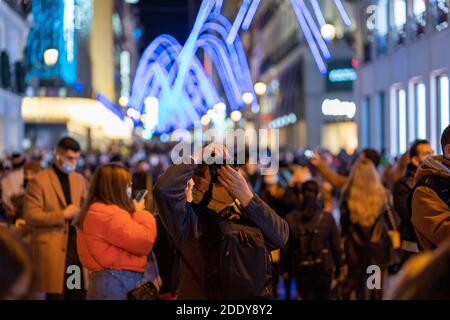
394, 234
146, 291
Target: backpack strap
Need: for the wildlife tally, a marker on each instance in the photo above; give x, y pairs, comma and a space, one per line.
437, 184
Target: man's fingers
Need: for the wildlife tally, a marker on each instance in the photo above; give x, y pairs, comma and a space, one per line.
233, 172
225, 173
225, 178
224, 183
230, 172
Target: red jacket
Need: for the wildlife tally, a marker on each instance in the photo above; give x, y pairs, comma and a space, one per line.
114, 239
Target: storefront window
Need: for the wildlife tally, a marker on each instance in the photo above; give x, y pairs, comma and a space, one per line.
439, 10
401, 120
420, 110
443, 103
379, 121
365, 122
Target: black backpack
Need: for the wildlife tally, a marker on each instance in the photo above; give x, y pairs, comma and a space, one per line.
310, 253
237, 260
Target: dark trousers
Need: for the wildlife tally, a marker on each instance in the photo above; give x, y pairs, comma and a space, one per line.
314, 286
357, 282
287, 285
71, 260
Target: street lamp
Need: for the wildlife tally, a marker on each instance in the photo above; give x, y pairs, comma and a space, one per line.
220, 108
123, 101
260, 88
248, 98
205, 120
236, 116
151, 103
51, 57
255, 108
328, 32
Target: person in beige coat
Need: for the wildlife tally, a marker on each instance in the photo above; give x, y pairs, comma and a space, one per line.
52, 203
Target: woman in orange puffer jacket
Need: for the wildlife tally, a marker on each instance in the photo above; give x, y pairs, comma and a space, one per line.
115, 235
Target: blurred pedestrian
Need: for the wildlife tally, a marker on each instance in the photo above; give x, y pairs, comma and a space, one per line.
424, 277
16, 276
282, 200
52, 203
418, 152
431, 198
364, 202
339, 181
12, 183
313, 250
31, 169
115, 235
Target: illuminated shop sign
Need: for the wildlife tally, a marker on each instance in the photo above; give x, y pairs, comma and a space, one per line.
338, 108
283, 121
342, 75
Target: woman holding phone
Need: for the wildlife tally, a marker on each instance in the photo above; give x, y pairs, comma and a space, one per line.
115, 235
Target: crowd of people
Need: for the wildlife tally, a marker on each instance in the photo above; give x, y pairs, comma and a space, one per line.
217, 231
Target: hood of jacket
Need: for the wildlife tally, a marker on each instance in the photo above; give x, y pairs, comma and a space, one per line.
436, 165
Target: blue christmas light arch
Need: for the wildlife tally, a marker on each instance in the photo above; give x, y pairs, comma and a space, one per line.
173, 74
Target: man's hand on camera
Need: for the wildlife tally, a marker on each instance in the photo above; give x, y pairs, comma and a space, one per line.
219, 151
235, 184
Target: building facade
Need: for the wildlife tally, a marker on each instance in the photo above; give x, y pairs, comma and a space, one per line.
13, 32
402, 89
303, 102
84, 70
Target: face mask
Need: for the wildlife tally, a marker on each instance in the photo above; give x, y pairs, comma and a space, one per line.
129, 192
220, 199
68, 167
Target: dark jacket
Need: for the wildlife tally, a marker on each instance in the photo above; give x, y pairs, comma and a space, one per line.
328, 235
430, 214
365, 246
281, 205
186, 228
402, 189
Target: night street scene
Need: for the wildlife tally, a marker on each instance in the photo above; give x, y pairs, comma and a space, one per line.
255, 153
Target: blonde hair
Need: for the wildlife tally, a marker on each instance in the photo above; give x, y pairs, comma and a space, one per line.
365, 194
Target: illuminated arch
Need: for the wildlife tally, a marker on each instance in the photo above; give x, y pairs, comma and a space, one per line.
158, 71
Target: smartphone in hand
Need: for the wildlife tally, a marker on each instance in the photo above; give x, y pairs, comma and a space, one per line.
141, 195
